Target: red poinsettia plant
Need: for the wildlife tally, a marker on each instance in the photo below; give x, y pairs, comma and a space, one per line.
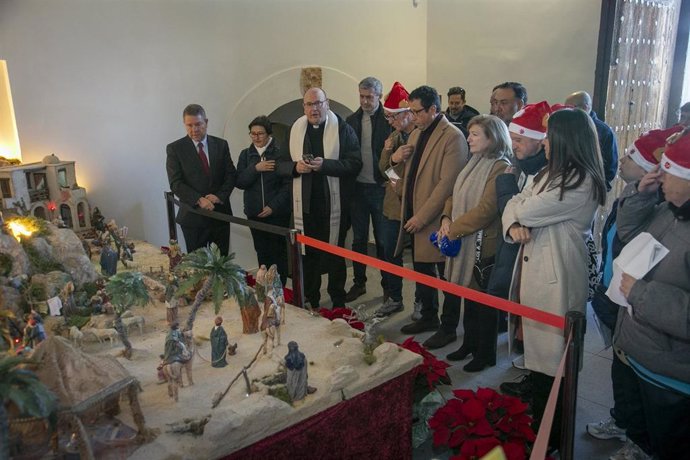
472, 423
432, 368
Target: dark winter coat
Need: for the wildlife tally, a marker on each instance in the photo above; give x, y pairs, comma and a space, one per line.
263, 188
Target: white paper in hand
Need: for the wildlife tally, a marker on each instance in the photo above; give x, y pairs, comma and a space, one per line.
392, 175
55, 305
636, 259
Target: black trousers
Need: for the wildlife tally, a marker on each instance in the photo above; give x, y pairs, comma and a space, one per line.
272, 248
667, 416
317, 262
200, 237
627, 410
479, 322
541, 387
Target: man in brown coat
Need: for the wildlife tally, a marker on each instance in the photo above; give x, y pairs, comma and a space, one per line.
434, 155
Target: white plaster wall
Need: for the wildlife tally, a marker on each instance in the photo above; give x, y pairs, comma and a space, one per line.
103, 82
550, 46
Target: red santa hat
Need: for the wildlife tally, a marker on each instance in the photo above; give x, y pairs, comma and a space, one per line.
676, 157
531, 121
397, 99
647, 149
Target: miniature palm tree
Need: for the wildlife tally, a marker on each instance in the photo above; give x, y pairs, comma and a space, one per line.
220, 275
29, 395
126, 290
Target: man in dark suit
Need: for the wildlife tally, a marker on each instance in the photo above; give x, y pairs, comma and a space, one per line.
202, 175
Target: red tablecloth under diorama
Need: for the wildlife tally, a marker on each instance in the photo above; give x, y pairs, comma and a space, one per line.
375, 424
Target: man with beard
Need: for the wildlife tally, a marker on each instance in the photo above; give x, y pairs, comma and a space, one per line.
458, 112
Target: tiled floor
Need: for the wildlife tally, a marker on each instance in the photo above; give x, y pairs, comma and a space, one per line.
594, 390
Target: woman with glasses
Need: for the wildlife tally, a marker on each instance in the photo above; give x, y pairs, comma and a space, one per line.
551, 218
266, 195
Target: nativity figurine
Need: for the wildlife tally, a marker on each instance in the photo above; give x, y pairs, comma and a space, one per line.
219, 344
270, 323
297, 376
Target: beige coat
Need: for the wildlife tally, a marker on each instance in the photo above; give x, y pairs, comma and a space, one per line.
484, 216
554, 263
442, 160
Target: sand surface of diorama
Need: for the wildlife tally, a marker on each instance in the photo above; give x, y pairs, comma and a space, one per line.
336, 368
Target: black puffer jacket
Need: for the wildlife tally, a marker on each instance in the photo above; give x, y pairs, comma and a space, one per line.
463, 119
263, 189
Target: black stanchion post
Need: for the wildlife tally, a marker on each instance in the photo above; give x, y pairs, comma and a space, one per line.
170, 208
574, 323
297, 271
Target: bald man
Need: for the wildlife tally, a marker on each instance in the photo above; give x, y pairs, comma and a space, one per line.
607, 140
325, 161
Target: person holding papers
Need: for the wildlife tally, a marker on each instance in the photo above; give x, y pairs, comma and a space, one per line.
654, 334
627, 418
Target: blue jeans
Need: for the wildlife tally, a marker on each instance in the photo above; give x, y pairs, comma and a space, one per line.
390, 240
367, 204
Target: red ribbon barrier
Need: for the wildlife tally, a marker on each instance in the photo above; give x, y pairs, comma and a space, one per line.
452, 288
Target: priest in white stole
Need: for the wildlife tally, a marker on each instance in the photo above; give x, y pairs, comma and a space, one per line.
326, 159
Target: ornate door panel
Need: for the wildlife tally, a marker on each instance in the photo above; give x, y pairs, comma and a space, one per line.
640, 67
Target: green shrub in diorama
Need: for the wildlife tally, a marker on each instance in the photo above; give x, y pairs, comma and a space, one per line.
40, 264
91, 288
37, 292
79, 321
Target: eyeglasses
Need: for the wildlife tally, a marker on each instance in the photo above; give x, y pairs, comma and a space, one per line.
315, 104
261, 134
417, 112
393, 116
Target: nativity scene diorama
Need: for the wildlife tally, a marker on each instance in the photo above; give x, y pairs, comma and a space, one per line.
136, 351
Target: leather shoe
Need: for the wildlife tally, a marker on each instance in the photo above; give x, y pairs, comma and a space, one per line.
423, 325
439, 340
460, 354
355, 292
478, 364
520, 389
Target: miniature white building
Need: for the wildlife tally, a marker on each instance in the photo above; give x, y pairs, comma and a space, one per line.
46, 189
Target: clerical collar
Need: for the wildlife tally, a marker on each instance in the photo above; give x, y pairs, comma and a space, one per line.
319, 126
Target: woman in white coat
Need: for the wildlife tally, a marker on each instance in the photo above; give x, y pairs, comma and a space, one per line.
551, 218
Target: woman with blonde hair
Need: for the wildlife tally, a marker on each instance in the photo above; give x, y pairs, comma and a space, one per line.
471, 215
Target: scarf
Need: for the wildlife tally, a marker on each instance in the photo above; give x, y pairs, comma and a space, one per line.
467, 192
331, 151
